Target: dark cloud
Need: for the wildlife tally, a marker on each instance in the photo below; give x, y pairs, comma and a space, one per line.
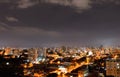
57, 22
26, 3
79, 4
11, 19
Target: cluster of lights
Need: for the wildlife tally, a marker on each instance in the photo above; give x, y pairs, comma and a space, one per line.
62, 69
118, 65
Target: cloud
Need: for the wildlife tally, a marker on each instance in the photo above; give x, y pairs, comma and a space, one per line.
79, 4
26, 3
33, 31
26, 36
27, 31
21, 3
116, 2
3, 27
76, 4
12, 19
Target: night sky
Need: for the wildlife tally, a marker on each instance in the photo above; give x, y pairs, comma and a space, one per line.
30, 23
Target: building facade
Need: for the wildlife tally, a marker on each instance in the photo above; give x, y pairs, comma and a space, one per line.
113, 67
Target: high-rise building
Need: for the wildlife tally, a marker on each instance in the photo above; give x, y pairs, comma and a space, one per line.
113, 67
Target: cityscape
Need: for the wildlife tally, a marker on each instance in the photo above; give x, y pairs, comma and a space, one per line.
60, 62
59, 38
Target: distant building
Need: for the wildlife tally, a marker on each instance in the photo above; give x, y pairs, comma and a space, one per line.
7, 51
80, 73
113, 67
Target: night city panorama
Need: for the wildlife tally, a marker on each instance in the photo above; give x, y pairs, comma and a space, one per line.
59, 38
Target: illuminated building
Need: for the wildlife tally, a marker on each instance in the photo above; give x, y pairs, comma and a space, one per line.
7, 51
80, 73
113, 67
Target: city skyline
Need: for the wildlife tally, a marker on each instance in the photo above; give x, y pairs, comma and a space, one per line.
29, 23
